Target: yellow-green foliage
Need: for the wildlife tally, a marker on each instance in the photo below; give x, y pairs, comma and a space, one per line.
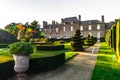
118, 38
107, 37
113, 38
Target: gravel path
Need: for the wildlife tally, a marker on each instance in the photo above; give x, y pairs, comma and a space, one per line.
78, 68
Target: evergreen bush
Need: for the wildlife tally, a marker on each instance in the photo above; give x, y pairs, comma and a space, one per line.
89, 41
77, 43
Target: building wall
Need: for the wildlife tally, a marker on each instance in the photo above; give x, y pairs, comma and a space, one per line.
66, 30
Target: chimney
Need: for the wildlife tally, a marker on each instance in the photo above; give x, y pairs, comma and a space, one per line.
45, 24
102, 18
79, 17
62, 20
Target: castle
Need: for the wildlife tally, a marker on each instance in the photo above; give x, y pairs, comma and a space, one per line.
68, 26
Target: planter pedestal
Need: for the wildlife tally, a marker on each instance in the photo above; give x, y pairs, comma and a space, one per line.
21, 65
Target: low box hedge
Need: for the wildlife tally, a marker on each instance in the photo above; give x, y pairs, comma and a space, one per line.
37, 65
42, 43
3, 45
49, 47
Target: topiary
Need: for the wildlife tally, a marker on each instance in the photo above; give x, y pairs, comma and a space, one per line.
89, 41
77, 43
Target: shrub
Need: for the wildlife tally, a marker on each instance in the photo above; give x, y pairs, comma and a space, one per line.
49, 47
102, 39
89, 41
3, 45
36, 39
20, 48
77, 43
31, 40
23, 40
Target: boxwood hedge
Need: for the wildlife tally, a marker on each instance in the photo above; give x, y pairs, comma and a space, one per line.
49, 47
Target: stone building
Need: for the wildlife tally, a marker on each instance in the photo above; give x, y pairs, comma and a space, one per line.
68, 26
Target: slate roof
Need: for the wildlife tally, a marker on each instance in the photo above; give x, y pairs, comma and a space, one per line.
108, 25
70, 19
86, 22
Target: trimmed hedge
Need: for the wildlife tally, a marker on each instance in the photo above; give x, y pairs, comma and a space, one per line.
42, 43
44, 64
3, 45
102, 39
113, 38
49, 47
37, 65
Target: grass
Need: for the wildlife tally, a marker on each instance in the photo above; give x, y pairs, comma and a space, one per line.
106, 68
5, 56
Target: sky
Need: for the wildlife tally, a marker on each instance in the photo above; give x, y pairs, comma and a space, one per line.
47, 10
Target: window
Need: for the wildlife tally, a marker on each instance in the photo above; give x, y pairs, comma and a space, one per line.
81, 28
98, 26
89, 28
56, 29
71, 28
64, 29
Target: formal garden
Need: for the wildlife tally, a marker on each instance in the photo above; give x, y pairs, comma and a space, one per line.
41, 54
44, 54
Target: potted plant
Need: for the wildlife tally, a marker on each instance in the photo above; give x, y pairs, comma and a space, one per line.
21, 52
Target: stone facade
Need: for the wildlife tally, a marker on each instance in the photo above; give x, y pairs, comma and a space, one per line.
68, 26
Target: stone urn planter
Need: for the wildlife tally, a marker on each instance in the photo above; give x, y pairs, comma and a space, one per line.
21, 52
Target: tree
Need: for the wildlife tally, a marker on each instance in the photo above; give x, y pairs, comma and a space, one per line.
77, 42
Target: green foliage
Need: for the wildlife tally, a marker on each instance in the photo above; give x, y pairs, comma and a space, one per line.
102, 39
77, 43
4, 45
6, 37
89, 41
50, 47
36, 39
31, 40
23, 40
107, 38
113, 38
20, 48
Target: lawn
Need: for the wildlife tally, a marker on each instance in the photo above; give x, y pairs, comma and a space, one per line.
106, 68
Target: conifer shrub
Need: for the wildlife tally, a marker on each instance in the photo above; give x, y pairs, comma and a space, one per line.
77, 42
89, 41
